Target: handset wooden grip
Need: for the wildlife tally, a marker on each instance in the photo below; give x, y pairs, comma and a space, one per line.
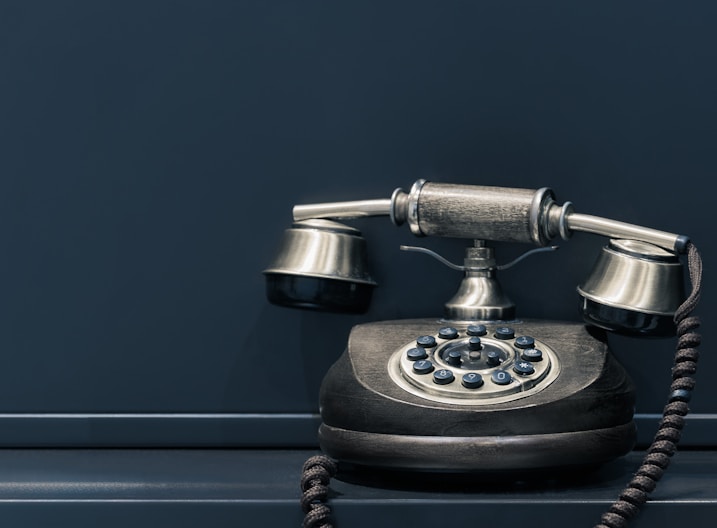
480, 212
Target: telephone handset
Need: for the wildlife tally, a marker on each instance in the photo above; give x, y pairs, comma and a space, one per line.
478, 389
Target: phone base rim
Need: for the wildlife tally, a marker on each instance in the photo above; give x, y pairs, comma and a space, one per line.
478, 454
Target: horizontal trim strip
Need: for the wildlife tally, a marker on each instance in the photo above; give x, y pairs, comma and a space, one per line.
288, 430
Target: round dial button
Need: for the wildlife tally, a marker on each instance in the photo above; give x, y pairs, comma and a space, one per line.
524, 368
422, 366
443, 377
532, 354
504, 332
474, 343
414, 354
476, 330
501, 377
426, 341
492, 358
453, 358
448, 332
472, 380
524, 342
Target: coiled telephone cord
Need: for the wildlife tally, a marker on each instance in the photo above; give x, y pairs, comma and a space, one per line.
315, 477
664, 444
319, 469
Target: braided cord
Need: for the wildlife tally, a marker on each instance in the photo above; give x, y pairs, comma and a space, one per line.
664, 444
315, 478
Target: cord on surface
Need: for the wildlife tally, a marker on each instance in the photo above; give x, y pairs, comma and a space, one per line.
315, 478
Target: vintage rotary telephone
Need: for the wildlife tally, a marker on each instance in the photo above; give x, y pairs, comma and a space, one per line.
480, 390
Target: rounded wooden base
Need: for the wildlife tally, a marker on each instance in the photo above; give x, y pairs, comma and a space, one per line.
478, 453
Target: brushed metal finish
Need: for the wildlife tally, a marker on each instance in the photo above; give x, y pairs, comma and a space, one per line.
411, 205
543, 199
616, 229
487, 213
433, 254
354, 209
456, 267
479, 298
634, 275
322, 249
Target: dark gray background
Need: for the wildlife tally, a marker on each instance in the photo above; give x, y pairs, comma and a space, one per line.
150, 153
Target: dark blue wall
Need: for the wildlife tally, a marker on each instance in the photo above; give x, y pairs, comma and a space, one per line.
150, 153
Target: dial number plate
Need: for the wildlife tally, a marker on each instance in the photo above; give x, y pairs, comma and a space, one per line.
455, 370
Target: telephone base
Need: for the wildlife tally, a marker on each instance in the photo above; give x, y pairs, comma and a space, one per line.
488, 454
386, 402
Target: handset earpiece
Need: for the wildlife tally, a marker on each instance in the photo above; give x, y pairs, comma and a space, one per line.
321, 265
634, 289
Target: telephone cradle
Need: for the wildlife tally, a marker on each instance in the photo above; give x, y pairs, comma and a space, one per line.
516, 396
481, 391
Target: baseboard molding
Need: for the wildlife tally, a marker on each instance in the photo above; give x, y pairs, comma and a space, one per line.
250, 430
